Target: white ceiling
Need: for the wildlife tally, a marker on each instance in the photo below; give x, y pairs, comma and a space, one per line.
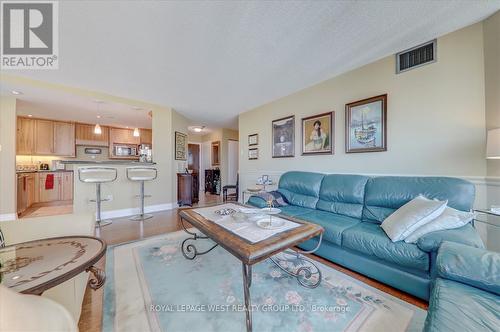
58, 105
213, 60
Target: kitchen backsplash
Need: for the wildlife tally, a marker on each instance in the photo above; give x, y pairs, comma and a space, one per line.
80, 155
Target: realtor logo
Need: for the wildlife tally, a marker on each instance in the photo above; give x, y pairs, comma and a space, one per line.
29, 35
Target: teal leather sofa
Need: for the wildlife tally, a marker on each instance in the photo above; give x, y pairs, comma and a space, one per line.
351, 208
465, 295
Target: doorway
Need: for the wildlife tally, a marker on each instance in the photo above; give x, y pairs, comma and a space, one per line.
194, 154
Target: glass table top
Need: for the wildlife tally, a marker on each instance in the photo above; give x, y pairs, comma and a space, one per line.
33, 267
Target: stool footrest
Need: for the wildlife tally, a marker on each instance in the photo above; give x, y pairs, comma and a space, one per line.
102, 200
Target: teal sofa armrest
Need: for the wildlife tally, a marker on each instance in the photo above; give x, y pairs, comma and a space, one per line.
464, 235
257, 201
472, 266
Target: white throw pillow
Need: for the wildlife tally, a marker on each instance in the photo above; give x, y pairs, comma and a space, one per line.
414, 214
450, 219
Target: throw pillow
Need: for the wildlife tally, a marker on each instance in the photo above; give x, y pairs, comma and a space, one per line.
450, 219
414, 214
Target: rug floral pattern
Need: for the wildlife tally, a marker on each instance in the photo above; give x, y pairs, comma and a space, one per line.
206, 294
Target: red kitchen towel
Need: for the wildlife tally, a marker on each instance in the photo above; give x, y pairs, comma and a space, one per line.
49, 182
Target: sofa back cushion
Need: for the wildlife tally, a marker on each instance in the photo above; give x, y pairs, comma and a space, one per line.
385, 194
301, 188
343, 194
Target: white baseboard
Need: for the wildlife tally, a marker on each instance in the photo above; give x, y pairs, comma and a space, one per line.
7, 216
133, 211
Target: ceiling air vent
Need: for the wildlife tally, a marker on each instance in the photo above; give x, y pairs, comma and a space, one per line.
415, 57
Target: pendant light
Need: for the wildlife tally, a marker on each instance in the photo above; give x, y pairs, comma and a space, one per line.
136, 132
97, 127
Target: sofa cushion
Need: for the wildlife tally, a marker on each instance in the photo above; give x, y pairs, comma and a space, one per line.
334, 224
301, 188
457, 307
477, 267
342, 194
369, 238
295, 211
385, 194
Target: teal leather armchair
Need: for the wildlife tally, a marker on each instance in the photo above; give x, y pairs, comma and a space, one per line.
465, 295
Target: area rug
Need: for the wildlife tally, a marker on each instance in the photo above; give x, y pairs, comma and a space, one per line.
151, 287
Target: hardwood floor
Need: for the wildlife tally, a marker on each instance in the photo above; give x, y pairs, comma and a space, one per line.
124, 230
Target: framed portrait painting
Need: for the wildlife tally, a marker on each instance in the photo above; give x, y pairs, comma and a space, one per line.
181, 145
284, 137
318, 134
366, 125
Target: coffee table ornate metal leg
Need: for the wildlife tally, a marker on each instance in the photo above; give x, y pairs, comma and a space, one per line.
189, 250
99, 278
293, 263
247, 282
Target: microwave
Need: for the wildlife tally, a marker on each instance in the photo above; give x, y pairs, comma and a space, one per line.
125, 150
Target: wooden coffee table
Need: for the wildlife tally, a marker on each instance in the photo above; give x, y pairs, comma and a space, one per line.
249, 253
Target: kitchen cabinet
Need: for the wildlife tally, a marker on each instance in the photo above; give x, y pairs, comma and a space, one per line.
62, 190
66, 186
25, 136
44, 137
30, 187
146, 136
122, 136
64, 139
49, 195
22, 197
85, 135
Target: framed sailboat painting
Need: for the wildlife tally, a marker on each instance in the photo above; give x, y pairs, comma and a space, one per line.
366, 125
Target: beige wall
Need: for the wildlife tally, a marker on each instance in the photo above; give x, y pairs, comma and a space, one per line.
7, 157
436, 116
180, 124
491, 33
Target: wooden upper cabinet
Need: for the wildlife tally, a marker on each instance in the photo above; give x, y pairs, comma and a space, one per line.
85, 135
122, 136
44, 137
25, 136
64, 139
146, 136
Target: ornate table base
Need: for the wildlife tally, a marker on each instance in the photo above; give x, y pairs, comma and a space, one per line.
189, 250
290, 261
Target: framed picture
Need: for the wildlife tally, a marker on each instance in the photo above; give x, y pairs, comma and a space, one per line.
318, 134
253, 154
284, 137
216, 153
366, 125
253, 139
180, 146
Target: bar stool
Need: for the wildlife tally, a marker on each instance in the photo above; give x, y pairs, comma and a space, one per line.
141, 174
98, 175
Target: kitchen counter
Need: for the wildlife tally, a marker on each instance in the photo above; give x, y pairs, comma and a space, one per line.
105, 162
44, 171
